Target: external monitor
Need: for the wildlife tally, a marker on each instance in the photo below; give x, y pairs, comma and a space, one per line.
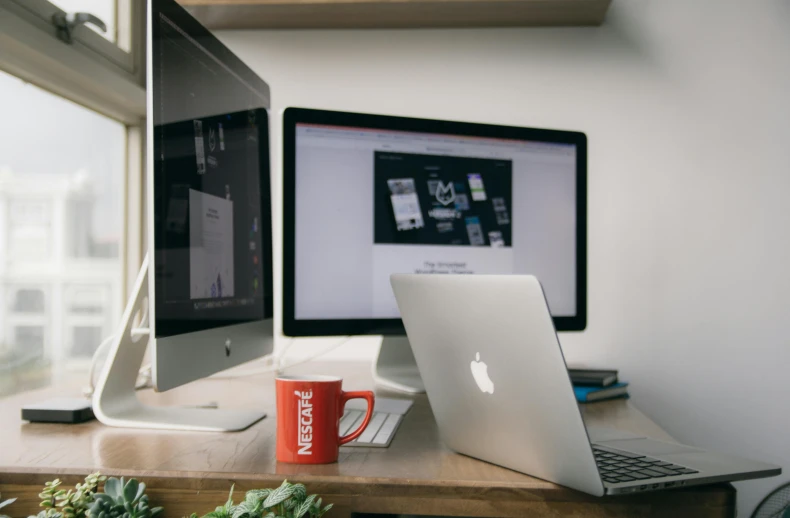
209, 263
366, 196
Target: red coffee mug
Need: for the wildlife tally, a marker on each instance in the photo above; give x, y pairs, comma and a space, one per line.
309, 409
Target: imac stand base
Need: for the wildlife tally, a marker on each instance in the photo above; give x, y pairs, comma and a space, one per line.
115, 400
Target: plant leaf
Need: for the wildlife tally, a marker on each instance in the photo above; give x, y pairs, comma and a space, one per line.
279, 495
112, 487
257, 495
130, 490
103, 498
140, 492
300, 492
316, 507
243, 509
229, 503
7, 502
304, 507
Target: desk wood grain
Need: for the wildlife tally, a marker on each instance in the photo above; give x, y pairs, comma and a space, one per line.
417, 474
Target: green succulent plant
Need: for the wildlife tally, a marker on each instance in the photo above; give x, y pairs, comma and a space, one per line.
49, 499
122, 499
287, 501
127, 499
75, 504
59, 503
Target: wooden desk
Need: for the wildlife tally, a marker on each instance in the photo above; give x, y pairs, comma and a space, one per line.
417, 474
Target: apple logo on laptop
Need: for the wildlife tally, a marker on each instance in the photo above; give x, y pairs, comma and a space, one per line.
480, 374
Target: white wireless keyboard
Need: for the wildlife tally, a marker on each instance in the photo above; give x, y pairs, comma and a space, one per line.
383, 424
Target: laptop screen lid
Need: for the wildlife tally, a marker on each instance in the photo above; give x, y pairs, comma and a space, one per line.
494, 373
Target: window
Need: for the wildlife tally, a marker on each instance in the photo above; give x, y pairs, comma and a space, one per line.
107, 11
29, 340
30, 213
85, 340
87, 301
22, 366
29, 301
123, 18
104, 72
61, 189
70, 183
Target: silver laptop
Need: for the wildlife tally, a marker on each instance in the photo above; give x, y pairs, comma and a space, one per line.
499, 388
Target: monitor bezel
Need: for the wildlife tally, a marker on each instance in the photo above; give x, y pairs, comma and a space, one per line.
166, 328
394, 326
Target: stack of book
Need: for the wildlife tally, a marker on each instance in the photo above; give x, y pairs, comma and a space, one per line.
597, 385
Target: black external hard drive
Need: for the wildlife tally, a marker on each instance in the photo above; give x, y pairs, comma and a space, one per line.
59, 410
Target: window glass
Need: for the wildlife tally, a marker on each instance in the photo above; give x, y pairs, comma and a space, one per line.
83, 340
62, 170
29, 301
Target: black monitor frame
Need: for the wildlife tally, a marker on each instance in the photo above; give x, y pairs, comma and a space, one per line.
394, 326
191, 28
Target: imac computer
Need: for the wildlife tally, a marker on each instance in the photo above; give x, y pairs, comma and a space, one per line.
366, 196
204, 296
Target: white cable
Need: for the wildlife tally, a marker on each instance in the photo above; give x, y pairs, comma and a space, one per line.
278, 366
313, 357
280, 358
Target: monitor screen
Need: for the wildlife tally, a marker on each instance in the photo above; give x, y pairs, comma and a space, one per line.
368, 196
211, 205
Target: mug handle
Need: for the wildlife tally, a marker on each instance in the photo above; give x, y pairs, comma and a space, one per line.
362, 394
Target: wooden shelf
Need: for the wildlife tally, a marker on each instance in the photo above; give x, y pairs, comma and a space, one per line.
371, 14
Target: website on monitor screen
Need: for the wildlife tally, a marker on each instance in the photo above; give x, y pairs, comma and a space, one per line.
370, 203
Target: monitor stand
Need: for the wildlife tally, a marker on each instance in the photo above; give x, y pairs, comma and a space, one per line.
115, 400
395, 367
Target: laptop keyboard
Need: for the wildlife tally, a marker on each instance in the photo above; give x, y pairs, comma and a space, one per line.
619, 466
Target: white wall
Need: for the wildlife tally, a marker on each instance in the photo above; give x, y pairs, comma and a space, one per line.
686, 106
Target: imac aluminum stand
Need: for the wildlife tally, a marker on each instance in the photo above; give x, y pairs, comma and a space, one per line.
395, 367
115, 400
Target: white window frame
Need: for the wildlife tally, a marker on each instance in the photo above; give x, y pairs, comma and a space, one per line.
91, 71
95, 73
41, 11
